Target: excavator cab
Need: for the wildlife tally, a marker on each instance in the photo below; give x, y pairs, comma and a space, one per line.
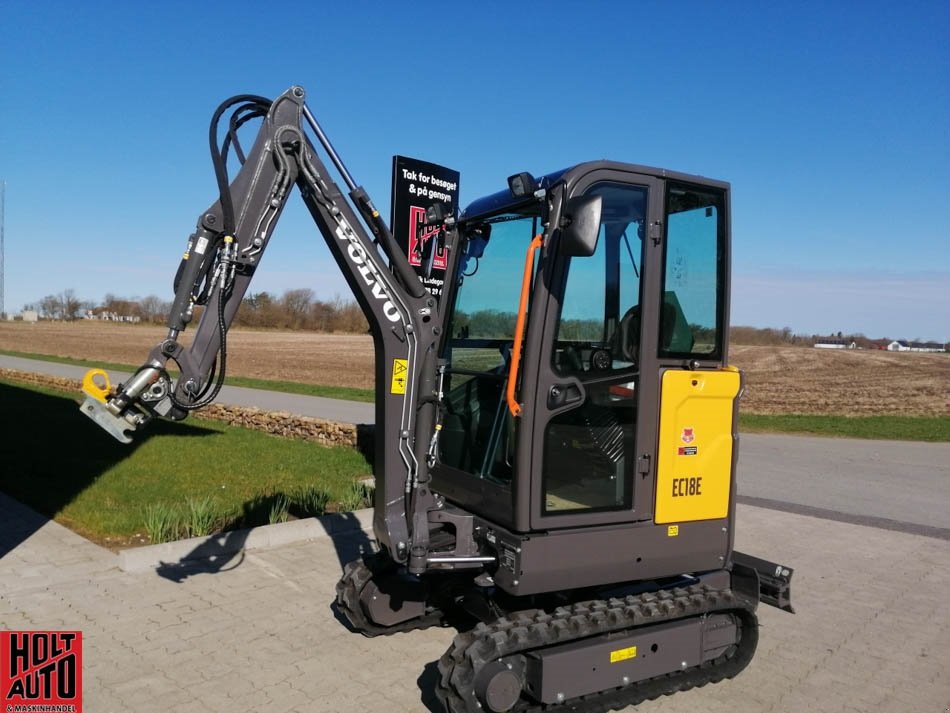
555, 433
603, 330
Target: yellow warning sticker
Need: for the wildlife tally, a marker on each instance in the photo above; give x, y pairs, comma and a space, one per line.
400, 373
623, 654
673, 531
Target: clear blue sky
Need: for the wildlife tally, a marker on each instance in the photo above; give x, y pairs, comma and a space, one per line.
830, 119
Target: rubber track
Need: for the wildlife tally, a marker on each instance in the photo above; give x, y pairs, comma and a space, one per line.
523, 631
357, 575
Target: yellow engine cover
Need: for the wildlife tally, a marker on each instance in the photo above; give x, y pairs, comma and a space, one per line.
694, 463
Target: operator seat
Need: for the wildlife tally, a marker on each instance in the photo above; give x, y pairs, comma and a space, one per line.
628, 335
674, 331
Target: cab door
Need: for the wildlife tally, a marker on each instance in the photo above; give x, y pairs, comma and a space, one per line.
594, 417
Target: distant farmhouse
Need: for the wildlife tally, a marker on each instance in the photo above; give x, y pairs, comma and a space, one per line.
897, 345
107, 316
835, 344
27, 315
902, 345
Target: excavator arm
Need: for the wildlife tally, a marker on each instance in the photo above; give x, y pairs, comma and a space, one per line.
219, 262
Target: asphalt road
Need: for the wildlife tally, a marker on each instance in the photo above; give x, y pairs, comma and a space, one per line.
315, 406
895, 485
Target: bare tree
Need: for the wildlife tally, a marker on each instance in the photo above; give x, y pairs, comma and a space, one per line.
153, 308
50, 307
120, 306
70, 305
347, 316
296, 304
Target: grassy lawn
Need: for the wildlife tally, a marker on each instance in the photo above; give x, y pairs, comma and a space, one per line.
898, 428
61, 464
286, 387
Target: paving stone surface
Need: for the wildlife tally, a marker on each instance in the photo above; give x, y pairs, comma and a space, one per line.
256, 632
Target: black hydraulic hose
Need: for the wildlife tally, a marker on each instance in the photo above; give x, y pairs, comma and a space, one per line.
217, 160
203, 400
253, 107
211, 375
239, 118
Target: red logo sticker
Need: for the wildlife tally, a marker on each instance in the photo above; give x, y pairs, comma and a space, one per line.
41, 671
688, 436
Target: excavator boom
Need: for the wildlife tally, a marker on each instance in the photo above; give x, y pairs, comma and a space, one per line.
219, 262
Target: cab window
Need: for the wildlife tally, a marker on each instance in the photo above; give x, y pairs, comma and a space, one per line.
478, 431
599, 325
588, 449
691, 315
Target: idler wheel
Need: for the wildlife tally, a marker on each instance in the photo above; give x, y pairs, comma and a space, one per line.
498, 687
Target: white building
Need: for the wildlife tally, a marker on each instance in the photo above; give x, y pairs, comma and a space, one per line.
901, 345
835, 344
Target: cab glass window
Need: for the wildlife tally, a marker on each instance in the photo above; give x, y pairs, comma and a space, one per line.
599, 325
478, 432
588, 449
691, 313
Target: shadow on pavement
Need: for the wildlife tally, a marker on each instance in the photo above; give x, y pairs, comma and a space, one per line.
225, 551
220, 553
427, 681
350, 541
50, 453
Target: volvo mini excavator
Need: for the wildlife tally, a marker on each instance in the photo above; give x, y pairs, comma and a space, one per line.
555, 444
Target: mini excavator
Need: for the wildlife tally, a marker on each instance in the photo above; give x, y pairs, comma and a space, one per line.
556, 432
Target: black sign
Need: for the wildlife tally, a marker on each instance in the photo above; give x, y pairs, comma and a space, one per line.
417, 185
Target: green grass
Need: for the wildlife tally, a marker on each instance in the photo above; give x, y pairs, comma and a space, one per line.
202, 517
899, 428
162, 522
356, 497
61, 464
287, 387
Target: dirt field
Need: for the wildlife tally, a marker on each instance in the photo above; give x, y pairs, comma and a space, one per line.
843, 382
778, 379
333, 359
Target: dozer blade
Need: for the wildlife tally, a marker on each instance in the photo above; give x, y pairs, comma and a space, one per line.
775, 580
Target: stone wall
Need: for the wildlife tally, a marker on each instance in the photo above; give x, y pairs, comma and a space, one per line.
278, 423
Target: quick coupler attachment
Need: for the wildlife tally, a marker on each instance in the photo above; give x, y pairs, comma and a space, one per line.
118, 414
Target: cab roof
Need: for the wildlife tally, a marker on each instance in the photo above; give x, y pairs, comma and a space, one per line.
504, 202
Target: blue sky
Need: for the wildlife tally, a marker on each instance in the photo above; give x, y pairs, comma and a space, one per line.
829, 119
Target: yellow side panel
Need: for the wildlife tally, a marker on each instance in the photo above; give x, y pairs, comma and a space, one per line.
694, 463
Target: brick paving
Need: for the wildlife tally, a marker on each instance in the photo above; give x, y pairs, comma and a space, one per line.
256, 633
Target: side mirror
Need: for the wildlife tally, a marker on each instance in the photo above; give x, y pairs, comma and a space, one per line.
522, 184
580, 226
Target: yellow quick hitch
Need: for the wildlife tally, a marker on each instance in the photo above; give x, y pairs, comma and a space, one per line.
96, 387
96, 384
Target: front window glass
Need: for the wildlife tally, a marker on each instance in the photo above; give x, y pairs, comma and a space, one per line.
694, 259
478, 433
588, 463
599, 326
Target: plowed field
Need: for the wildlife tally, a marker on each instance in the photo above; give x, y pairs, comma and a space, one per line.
780, 380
